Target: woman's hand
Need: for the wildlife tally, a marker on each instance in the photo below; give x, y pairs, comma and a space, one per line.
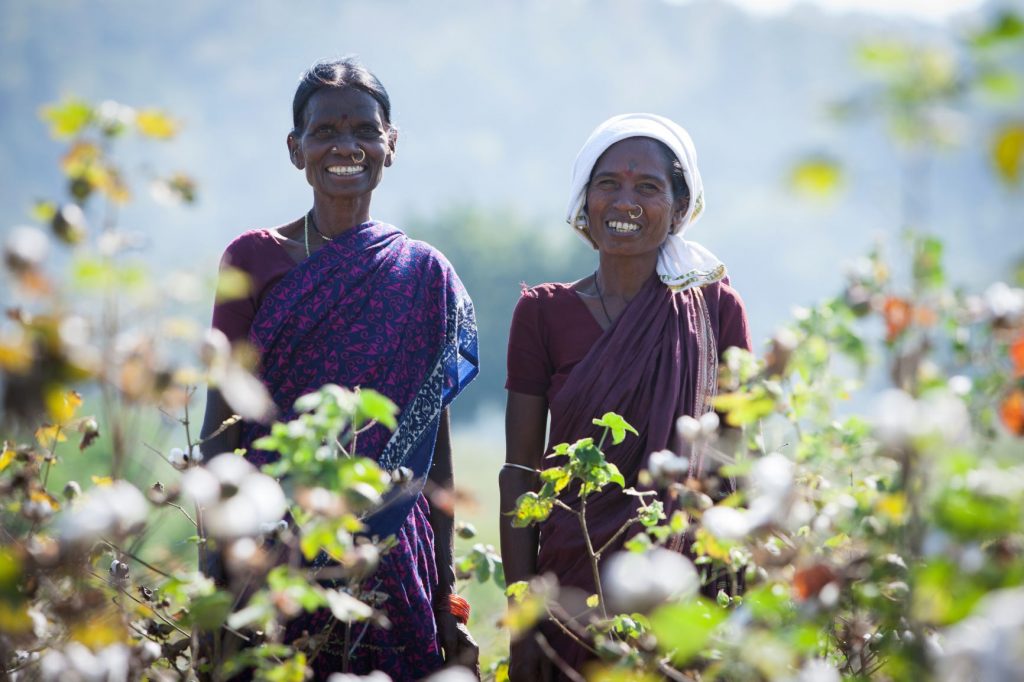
457, 643
527, 663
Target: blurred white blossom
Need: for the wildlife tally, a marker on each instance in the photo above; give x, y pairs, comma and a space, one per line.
238, 500
900, 419
641, 581
726, 523
105, 511
988, 645
1003, 301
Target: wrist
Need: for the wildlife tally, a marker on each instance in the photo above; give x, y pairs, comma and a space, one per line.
453, 605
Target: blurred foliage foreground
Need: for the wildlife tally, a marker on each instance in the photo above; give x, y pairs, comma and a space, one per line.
887, 546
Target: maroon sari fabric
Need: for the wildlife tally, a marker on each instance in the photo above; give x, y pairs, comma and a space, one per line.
656, 363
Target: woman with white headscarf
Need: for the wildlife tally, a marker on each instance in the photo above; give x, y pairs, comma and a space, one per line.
641, 336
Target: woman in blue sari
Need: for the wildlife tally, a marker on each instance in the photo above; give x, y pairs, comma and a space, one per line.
337, 297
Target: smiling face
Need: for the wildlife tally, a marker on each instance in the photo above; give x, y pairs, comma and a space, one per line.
344, 145
633, 172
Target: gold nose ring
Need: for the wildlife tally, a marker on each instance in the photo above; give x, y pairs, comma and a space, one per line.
361, 158
639, 212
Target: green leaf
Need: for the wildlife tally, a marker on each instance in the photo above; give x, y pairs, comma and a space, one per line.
683, 629
1003, 86
770, 604
291, 670
744, 408
531, 508
376, 407
210, 611
517, 590
617, 425
970, 516
68, 118
1007, 27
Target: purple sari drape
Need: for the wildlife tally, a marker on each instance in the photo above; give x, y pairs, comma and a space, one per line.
376, 309
655, 364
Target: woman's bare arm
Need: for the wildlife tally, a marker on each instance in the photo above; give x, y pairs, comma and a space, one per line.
525, 431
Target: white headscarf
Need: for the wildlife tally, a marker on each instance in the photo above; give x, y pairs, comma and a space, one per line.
681, 263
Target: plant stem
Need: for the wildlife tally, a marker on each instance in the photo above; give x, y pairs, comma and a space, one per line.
557, 660
594, 557
619, 532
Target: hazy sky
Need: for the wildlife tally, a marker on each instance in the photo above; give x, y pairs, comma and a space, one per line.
930, 10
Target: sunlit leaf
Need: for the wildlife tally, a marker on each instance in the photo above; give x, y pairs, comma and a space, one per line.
1007, 27
531, 508
517, 590
743, 408
155, 123
1007, 151
6, 457
102, 480
101, 631
972, 516
43, 211
1000, 86
68, 118
683, 629
174, 190
61, 405
816, 177
48, 435
593, 601
293, 669
883, 55
617, 425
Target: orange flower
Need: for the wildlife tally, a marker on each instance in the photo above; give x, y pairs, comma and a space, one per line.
897, 313
1017, 356
1012, 412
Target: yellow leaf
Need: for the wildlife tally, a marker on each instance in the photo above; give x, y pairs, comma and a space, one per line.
593, 601
61, 405
155, 123
102, 480
817, 177
893, 507
68, 118
48, 435
1008, 152
46, 498
14, 618
6, 457
232, 284
100, 632
16, 353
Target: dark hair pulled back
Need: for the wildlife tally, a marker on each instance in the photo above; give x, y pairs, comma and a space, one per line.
337, 73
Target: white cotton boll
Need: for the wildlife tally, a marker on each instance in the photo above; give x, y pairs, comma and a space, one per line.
178, 459
230, 470
960, 385
772, 475
232, 518
635, 582
53, 666
116, 509
196, 455
200, 486
115, 660
709, 424
454, 674
664, 464
1003, 301
945, 415
895, 417
266, 494
688, 428
726, 523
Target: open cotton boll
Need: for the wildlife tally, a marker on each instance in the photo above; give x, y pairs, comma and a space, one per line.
726, 523
636, 582
200, 486
900, 419
103, 511
258, 500
987, 644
